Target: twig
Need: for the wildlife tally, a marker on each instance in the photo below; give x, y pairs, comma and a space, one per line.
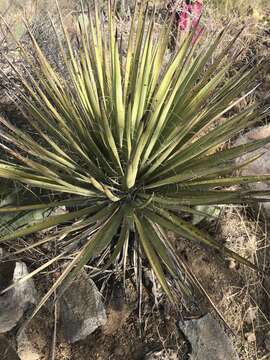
55, 328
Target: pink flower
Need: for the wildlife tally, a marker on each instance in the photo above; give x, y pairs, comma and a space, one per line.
185, 17
197, 12
189, 16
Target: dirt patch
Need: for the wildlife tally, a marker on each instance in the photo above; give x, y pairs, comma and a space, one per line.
34, 343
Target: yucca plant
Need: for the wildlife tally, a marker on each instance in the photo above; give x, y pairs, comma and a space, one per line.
129, 142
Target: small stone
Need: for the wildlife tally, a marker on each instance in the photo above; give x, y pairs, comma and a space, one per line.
232, 264
165, 354
250, 337
81, 309
251, 315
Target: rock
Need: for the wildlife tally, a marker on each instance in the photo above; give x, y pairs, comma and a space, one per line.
6, 350
81, 309
15, 301
207, 339
232, 264
251, 315
250, 337
165, 354
262, 164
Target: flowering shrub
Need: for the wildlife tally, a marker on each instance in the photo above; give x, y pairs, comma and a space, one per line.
188, 14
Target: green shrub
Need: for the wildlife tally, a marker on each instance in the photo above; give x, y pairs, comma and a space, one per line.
128, 142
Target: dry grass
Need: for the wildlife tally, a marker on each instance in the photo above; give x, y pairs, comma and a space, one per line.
245, 304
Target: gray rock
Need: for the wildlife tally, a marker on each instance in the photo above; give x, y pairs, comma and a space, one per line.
81, 309
6, 350
208, 340
15, 301
262, 164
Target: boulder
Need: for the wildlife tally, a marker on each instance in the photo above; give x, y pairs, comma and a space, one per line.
81, 309
207, 339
